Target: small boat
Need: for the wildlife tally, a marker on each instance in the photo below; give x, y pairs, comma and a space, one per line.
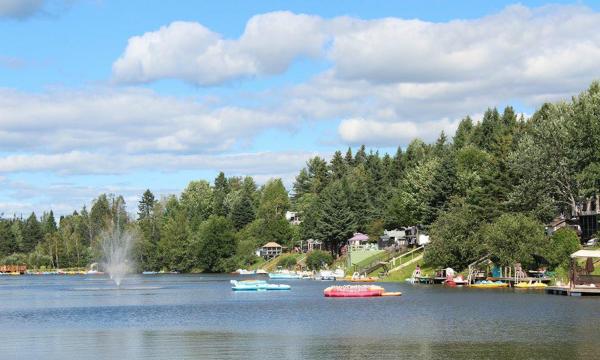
455, 281
326, 275
354, 291
285, 275
257, 285
486, 284
149, 272
531, 285
398, 293
362, 279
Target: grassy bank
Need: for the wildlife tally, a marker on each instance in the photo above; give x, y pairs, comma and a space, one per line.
401, 275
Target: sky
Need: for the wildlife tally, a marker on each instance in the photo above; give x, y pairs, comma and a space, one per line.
107, 96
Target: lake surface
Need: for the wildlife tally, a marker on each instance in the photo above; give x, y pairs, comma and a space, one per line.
200, 317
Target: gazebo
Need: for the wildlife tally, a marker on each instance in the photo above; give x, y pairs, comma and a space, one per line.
357, 241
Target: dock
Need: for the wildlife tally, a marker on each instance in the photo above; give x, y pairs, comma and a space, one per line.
576, 291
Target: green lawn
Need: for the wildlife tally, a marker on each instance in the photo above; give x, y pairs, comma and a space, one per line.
401, 275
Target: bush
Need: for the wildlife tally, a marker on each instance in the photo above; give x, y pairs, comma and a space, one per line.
288, 261
316, 259
514, 238
563, 243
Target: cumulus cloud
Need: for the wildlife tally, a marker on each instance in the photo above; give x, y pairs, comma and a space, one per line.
24, 9
408, 74
263, 163
195, 54
125, 120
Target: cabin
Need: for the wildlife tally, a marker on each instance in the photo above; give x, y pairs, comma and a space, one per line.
554, 225
293, 218
14, 269
311, 245
271, 250
392, 239
415, 237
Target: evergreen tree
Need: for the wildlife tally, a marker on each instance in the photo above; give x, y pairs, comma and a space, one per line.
32, 233
337, 166
146, 205
335, 222
221, 189
242, 213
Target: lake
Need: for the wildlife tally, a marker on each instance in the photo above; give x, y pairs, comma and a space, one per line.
180, 316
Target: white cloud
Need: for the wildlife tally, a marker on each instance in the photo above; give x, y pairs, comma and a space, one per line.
195, 54
263, 163
24, 9
392, 70
125, 120
360, 131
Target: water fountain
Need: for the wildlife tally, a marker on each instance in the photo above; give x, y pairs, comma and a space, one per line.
116, 244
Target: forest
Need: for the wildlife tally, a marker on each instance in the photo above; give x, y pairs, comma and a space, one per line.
488, 190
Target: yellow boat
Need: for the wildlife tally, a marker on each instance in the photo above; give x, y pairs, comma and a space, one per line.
530, 285
489, 286
391, 294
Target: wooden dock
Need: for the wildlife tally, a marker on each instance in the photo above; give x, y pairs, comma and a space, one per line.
576, 291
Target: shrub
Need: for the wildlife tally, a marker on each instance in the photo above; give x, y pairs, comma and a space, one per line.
288, 261
563, 243
317, 259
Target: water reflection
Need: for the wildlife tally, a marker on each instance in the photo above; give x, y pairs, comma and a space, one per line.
183, 316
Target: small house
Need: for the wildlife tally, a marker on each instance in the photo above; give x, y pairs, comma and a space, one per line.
271, 250
554, 225
293, 218
311, 245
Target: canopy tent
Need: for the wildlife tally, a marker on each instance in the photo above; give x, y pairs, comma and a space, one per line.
358, 237
586, 254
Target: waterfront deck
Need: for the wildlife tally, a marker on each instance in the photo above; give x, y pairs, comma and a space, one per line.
577, 291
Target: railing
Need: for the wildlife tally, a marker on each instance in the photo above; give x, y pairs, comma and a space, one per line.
411, 253
373, 264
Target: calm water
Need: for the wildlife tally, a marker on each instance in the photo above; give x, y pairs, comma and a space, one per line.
199, 317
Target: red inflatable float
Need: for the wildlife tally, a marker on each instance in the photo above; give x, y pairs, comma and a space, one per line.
354, 291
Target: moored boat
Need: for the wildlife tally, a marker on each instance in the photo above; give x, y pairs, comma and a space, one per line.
531, 285
256, 285
486, 284
285, 275
354, 291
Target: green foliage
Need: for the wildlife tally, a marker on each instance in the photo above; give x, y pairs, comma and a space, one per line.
563, 243
216, 244
288, 262
317, 259
455, 238
335, 222
514, 238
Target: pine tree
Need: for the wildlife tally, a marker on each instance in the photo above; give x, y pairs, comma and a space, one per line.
242, 213
32, 233
221, 189
146, 205
335, 222
337, 167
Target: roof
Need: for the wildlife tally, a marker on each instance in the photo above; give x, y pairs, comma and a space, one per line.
556, 222
586, 254
272, 244
359, 237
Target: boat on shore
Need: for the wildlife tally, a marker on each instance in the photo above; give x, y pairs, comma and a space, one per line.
256, 285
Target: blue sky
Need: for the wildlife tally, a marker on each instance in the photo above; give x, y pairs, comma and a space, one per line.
120, 96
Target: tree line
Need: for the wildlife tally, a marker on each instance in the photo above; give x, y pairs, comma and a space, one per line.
488, 190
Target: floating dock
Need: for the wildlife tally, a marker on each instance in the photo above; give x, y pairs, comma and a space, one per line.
576, 291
